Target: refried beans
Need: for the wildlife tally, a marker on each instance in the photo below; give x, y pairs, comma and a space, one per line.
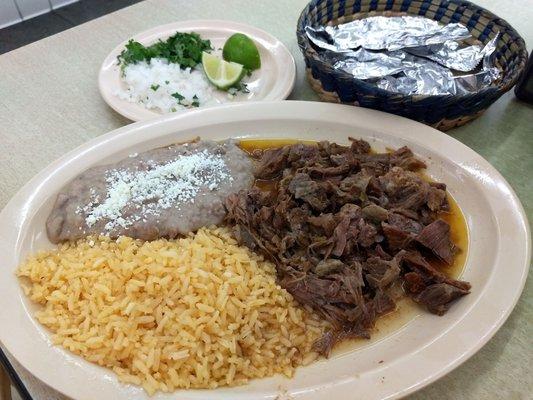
163, 192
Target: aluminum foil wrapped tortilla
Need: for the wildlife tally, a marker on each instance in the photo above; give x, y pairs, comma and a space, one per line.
408, 55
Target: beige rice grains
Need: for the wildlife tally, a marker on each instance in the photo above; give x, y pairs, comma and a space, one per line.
197, 312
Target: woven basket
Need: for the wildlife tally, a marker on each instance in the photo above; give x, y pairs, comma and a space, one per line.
443, 111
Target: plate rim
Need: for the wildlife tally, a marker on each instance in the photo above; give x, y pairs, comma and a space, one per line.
271, 108
143, 114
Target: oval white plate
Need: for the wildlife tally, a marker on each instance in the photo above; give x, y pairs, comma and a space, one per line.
273, 81
405, 360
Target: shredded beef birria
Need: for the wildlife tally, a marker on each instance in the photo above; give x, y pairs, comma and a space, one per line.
349, 229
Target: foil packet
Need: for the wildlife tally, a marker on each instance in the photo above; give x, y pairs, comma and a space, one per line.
451, 55
386, 33
408, 55
435, 81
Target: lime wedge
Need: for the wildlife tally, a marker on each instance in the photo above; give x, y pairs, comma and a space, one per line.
221, 73
241, 49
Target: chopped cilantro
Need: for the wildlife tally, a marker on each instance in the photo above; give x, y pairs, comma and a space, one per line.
195, 101
241, 87
173, 109
182, 101
182, 48
167, 82
178, 96
154, 87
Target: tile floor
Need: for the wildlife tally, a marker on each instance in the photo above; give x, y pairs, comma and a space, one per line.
37, 28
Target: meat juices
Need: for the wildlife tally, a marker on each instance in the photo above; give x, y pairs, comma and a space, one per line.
163, 192
347, 228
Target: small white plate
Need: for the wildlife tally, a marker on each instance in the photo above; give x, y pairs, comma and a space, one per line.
273, 81
389, 365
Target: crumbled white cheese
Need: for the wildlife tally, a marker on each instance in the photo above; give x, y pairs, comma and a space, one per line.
161, 187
